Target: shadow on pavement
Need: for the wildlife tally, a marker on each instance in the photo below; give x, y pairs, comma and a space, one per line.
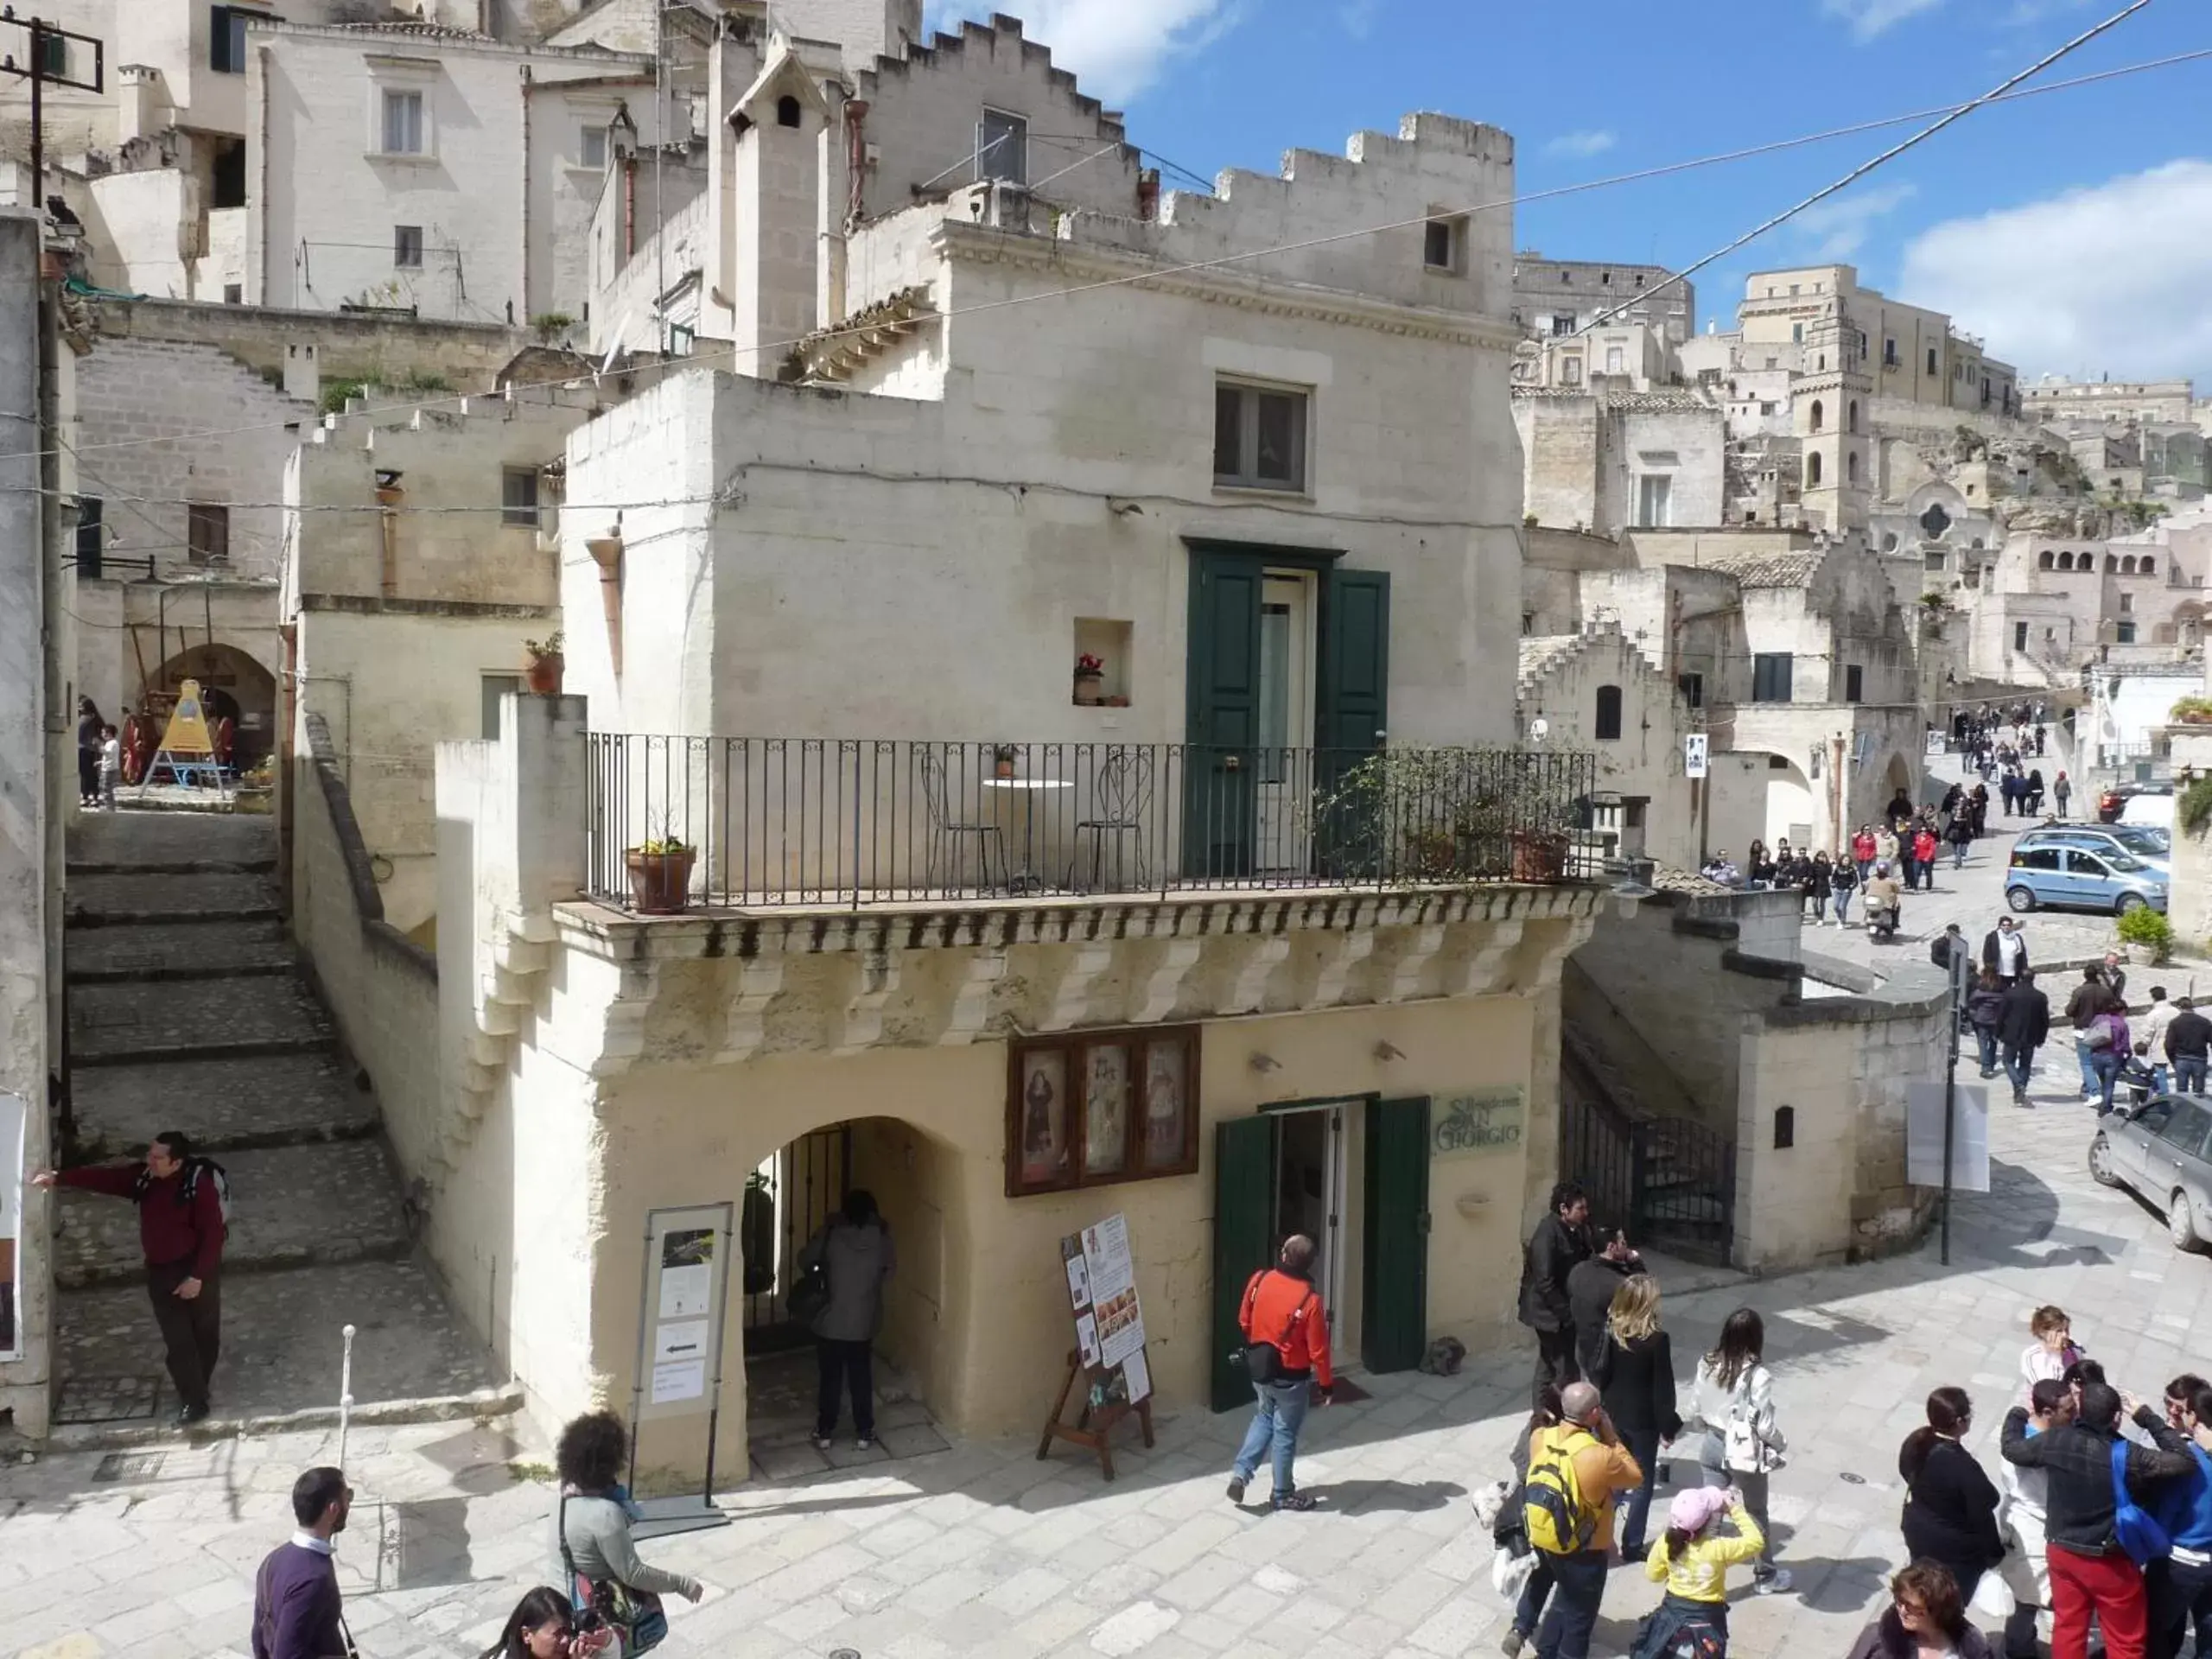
1374, 1497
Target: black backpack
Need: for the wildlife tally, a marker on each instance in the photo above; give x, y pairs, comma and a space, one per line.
187, 1192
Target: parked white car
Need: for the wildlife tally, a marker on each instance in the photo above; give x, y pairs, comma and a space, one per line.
2155, 811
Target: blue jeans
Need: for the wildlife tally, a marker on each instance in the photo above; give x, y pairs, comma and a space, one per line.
1534, 1594
2188, 1074
1281, 1414
2106, 1064
1578, 1587
1958, 854
1635, 1504
2083, 1052
1842, 900
1986, 1036
2159, 1087
2017, 1064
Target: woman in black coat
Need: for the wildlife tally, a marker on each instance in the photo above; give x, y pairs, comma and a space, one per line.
1950, 1508
1635, 1375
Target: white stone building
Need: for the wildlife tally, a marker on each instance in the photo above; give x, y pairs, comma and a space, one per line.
1608, 458
1557, 298
1597, 691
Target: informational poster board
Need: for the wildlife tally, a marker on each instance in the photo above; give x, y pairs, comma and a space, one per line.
1695, 748
1108, 1372
686, 1259
1923, 1137
12, 1117
1113, 1277
187, 733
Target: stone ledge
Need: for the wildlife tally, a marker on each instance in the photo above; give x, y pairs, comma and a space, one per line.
481, 1405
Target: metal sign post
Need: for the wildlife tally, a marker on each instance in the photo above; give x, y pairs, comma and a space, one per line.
1960, 968
684, 1293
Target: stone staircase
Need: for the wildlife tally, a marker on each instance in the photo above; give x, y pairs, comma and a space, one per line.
188, 1011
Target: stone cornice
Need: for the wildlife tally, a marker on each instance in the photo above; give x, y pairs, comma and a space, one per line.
1220, 285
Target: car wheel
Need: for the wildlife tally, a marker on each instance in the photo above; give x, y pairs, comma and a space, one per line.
2020, 899
2128, 901
2180, 1222
2101, 1170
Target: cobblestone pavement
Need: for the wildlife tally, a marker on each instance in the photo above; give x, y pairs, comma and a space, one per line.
983, 1550
112, 840
127, 896
262, 1100
179, 948
291, 1206
174, 1017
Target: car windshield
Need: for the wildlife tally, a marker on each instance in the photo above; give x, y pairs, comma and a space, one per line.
2139, 838
2124, 864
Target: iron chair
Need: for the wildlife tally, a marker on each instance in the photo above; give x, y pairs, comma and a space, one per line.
946, 829
1120, 799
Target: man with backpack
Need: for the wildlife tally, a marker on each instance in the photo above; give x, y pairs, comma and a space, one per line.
1286, 1355
1575, 1470
183, 1216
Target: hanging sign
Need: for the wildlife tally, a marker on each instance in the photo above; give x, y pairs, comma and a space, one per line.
687, 1258
1696, 748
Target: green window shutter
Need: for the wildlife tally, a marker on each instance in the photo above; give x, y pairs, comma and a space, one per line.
1222, 671
1395, 1316
1244, 1175
1354, 708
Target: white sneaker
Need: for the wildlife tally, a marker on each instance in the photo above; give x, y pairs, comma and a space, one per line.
1775, 1583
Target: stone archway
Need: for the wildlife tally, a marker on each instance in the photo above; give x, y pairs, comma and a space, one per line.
231, 682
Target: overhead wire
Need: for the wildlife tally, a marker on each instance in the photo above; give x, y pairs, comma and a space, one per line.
1245, 256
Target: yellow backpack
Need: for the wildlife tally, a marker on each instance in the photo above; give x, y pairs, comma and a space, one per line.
1558, 1522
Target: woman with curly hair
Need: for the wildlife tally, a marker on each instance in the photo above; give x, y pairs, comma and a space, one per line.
591, 1527
1926, 1619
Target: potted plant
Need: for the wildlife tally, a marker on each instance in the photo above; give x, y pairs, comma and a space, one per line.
543, 665
1090, 676
1002, 757
2147, 935
660, 875
2191, 711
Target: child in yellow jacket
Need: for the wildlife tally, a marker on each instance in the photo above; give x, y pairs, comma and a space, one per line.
1693, 1560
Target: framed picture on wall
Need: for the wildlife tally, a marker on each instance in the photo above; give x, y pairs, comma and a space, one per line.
1086, 1108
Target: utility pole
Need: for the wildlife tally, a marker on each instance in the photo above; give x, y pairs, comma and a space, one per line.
1961, 970
49, 55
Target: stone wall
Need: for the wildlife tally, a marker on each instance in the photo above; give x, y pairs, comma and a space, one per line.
467, 355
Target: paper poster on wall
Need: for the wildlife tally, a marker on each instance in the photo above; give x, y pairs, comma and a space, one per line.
1113, 1289
687, 1272
1078, 1281
685, 1339
11, 1213
686, 1379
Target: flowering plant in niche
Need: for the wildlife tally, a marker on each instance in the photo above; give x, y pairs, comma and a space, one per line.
1089, 663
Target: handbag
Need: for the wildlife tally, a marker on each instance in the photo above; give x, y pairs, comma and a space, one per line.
634, 1616
1262, 1361
1992, 1596
810, 1297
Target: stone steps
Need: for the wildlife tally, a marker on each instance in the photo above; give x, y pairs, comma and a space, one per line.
105, 901
225, 1104
132, 1022
154, 840
280, 1347
135, 950
292, 1207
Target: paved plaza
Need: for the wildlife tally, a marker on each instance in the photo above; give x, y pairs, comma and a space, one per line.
982, 1550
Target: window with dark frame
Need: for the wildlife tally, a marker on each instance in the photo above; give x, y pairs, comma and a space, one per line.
1854, 683
227, 39
1692, 687
90, 537
1607, 725
208, 534
1771, 674
407, 247
1259, 437
518, 497
1002, 148
1094, 1107
1440, 244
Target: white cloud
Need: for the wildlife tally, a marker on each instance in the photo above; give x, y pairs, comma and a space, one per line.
1840, 225
1358, 17
1869, 18
1582, 144
2110, 278
1116, 48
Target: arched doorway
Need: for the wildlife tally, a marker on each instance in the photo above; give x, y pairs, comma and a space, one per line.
231, 682
1791, 810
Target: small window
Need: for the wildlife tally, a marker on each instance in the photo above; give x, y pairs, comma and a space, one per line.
1785, 1128
407, 246
1440, 244
1819, 414
208, 534
1002, 148
1616, 360
402, 123
1889, 353
495, 686
518, 497
2124, 634
1692, 686
1853, 407
1932, 369
2127, 602
2149, 567
1771, 674
1608, 725
226, 38
1562, 324
1259, 438
1937, 560
591, 146
788, 113
1570, 371
233, 294
1851, 468
1796, 334
1655, 501
1813, 470
1854, 683
2019, 636
91, 538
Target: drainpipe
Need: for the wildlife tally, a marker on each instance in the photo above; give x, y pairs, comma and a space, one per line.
528, 86
1840, 796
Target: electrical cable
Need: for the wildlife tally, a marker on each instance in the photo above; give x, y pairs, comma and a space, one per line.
1637, 176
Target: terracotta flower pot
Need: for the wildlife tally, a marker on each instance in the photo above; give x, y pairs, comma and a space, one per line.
1538, 859
660, 883
542, 674
1087, 691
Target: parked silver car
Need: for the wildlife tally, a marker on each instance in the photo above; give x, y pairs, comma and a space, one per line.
2159, 1149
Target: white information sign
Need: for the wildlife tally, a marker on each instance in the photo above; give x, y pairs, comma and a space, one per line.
1696, 747
687, 1262
1112, 1273
1923, 1137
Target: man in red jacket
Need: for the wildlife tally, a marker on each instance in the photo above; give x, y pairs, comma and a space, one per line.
1281, 1310
180, 1228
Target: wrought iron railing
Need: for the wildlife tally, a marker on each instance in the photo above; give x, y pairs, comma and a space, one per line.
739, 821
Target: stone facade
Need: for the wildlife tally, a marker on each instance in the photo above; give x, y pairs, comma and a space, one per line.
1596, 691
1611, 459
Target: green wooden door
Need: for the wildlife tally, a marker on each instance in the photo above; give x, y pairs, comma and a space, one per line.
1395, 1276
1244, 1181
1351, 716
1222, 728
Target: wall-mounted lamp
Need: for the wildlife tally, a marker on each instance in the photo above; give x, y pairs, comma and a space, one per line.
1385, 1050
1264, 1064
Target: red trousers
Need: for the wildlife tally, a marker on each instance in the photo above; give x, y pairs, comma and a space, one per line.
2111, 1586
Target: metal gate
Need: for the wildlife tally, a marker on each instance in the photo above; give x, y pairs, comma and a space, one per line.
787, 1200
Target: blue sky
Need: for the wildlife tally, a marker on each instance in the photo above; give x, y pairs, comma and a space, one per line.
2073, 231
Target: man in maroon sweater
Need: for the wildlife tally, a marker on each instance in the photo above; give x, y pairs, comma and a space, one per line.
183, 1240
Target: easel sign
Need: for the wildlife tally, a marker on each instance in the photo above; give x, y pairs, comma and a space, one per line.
679, 1348
1108, 1355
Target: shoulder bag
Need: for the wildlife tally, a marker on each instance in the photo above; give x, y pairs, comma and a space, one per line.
2135, 1527
634, 1616
1261, 1358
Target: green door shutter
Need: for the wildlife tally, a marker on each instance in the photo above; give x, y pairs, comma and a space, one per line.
1220, 772
1395, 1278
1244, 1175
1353, 710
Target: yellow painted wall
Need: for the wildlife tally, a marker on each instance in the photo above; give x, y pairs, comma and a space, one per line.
978, 1317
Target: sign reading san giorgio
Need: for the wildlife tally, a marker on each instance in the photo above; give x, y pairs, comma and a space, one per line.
1483, 1120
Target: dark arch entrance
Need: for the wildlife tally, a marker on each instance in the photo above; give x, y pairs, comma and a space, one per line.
231, 682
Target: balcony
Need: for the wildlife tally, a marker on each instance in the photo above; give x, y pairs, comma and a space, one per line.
767, 824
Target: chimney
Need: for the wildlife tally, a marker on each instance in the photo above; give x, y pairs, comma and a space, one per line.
302, 373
